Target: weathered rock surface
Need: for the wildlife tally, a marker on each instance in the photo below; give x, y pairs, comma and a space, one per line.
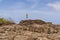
30, 32
41, 32
29, 22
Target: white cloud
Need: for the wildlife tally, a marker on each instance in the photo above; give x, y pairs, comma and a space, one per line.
55, 6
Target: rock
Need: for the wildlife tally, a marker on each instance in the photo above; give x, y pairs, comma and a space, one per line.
29, 22
38, 30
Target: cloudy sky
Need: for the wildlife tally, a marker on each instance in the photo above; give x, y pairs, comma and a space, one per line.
47, 10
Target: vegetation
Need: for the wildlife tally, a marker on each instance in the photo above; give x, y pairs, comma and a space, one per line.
5, 21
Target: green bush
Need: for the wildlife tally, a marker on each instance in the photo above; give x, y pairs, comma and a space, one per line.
5, 21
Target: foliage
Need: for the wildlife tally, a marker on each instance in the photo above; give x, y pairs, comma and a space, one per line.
5, 21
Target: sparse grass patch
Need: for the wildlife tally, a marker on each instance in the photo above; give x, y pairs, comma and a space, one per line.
5, 21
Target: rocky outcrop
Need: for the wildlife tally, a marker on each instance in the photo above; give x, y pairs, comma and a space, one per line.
29, 22
34, 31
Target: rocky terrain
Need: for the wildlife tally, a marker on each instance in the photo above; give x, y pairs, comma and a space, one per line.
30, 30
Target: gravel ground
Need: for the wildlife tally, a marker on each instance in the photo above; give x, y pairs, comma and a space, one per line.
17, 32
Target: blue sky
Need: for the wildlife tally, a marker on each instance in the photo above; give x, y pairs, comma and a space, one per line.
47, 10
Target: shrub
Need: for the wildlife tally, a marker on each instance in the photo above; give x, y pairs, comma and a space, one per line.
5, 21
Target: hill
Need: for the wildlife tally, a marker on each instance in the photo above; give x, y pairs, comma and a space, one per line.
26, 31
29, 22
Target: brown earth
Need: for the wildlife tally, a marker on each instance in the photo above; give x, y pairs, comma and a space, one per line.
29, 22
38, 30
